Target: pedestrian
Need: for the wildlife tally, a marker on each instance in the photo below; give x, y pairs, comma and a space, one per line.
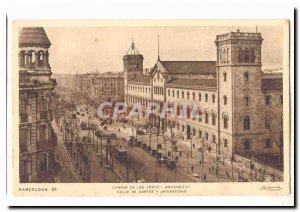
179, 154
192, 168
204, 177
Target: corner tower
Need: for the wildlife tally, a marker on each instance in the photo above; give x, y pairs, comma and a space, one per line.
133, 62
239, 90
37, 140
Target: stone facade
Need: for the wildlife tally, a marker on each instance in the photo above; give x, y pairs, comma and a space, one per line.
109, 87
239, 106
37, 140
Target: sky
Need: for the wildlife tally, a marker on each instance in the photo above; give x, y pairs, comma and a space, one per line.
89, 49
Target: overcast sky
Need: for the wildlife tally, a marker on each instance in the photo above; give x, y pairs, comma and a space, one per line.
85, 49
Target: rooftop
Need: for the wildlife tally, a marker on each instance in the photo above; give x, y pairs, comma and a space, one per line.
193, 83
140, 80
33, 36
272, 84
190, 67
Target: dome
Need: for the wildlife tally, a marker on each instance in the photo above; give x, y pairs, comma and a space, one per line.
33, 36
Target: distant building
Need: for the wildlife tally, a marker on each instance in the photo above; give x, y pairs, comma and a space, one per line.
109, 87
37, 141
239, 107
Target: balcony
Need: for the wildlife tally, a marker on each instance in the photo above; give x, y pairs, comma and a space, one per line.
48, 144
23, 147
23, 118
43, 114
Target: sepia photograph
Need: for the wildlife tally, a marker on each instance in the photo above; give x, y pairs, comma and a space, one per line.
124, 104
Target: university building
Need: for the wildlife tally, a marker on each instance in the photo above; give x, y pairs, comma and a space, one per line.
37, 141
239, 107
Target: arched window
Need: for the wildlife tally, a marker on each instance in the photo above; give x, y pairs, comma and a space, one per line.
200, 133
177, 94
268, 143
199, 96
206, 117
267, 122
246, 55
252, 55
194, 131
206, 136
247, 144
225, 143
206, 97
225, 76
213, 98
246, 123
182, 128
193, 96
246, 76
240, 55
188, 112
221, 55
188, 95
246, 100
225, 100
173, 93
200, 116
225, 122
213, 138
182, 94
227, 55
213, 119
224, 56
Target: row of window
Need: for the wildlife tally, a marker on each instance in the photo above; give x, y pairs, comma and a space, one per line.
267, 144
158, 90
142, 89
246, 76
191, 96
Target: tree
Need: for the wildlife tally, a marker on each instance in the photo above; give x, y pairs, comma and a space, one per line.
187, 153
136, 166
217, 159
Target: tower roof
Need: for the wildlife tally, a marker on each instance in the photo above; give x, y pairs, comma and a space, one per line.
133, 50
33, 36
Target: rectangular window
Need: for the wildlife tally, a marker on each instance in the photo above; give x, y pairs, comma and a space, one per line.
213, 119
206, 118
281, 99
268, 100
206, 97
225, 143
247, 145
246, 77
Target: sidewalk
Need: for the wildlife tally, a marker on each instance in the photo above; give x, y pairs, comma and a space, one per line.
67, 173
